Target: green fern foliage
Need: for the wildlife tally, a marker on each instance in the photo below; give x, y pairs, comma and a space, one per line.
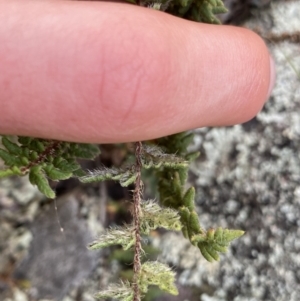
156, 273
122, 292
151, 157
215, 241
171, 187
155, 157
151, 273
195, 10
152, 216
43, 160
115, 236
177, 210
125, 176
173, 179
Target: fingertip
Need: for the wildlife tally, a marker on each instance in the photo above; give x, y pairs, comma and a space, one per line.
244, 76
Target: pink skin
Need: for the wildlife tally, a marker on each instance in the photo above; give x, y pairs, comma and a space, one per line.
112, 72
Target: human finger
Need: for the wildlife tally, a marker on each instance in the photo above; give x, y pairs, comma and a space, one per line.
111, 72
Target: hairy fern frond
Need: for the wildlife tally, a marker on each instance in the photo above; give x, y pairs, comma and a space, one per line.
195, 10
173, 194
154, 216
115, 236
43, 160
151, 273
155, 157
214, 241
151, 157
121, 292
198, 10
125, 176
156, 273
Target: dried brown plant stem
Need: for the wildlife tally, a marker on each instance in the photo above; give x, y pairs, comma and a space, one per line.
137, 193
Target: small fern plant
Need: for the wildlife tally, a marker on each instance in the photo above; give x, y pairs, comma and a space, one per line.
48, 159
57, 160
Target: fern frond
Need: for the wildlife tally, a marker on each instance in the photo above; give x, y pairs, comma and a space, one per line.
125, 176
215, 241
123, 236
44, 159
154, 216
197, 10
151, 157
38, 178
156, 273
154, 157
122, 292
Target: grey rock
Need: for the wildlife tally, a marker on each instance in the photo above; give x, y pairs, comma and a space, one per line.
57, 260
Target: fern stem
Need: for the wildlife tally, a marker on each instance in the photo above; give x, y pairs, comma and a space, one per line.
136, 217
